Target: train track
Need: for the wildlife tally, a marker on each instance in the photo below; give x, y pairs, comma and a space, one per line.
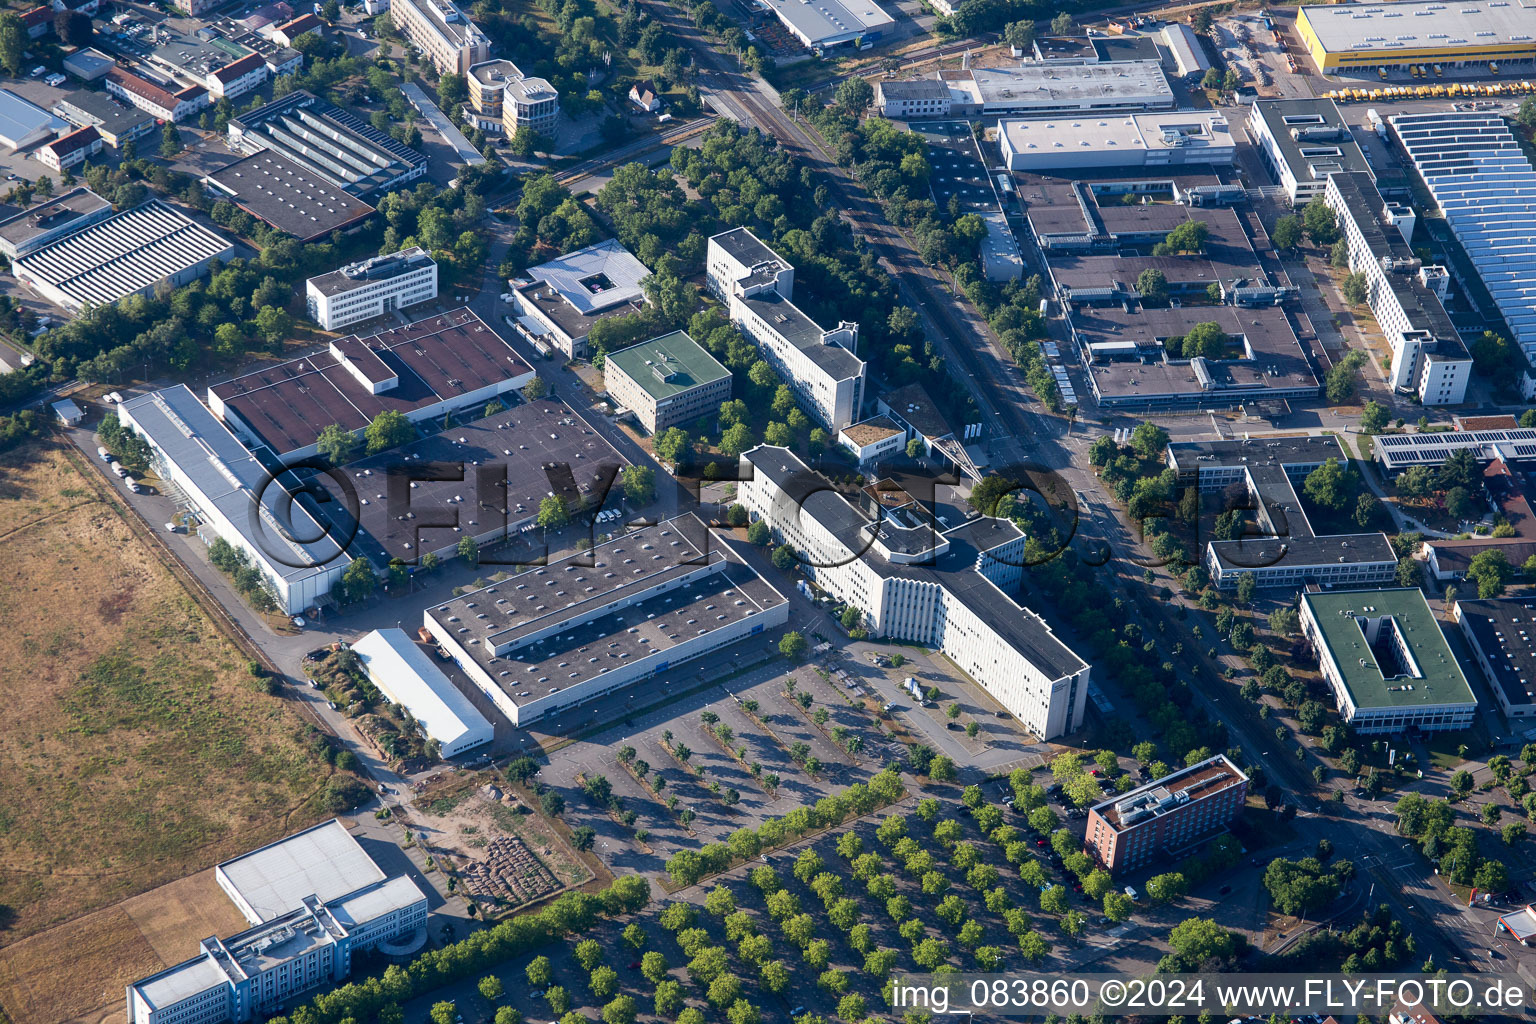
676, 136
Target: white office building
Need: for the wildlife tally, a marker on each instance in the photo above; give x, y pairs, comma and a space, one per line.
290, 952
917, 579
406, 676
1031, 89
1301, 142
1486, 188
443, 33
820, 366
235, 497
628, 612
1429, 359
373, 287
559, 301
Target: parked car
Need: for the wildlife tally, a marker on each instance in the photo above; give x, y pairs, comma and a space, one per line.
1130, 891
37, 72
103, 454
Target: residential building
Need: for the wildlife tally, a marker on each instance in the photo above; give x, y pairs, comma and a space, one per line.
1429, 359
173, 102
442, 363
643, 94
559, 301
820, 366
1386, 660
237, 78
443, 33
667, 381
35, 227
1301, 142
129, 253
372, 287
38, 21
235, 497
407, 676
116, 122
70, 150
622, 616
833, 24
1117, 140
1509, 488
289, 952
328, 142
1167, 819
915, 578
1502, 636
1262, 474
288, 31
1032, 89
1347, 40
1486, 188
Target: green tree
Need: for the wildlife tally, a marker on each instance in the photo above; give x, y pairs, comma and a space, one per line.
793, 646
536, 389
673, 446
539, 972
855, 94
445, 1012
1373, 418
13, 43
1330, 485
1286, 233
337, 445
758, 533
1062, 24
170, 140
1490, 570
389, 429
1019, 34
1149, 440
1354, 288
553, 514
1152, 284
784, 558
490, 988
359, 581
1320, 222
469, 550
638, 484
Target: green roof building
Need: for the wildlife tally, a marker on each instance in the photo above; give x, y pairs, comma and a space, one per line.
1389, 664
666, 381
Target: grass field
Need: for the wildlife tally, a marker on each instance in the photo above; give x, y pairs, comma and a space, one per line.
136, 751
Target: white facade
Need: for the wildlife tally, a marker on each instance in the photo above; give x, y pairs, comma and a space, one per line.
820, 366
234, 496
443, 33
407, 677
1301, 142
1094, 140
374, 287
913, 593
1429, 359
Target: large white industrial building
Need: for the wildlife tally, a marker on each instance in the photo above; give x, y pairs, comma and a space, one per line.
1429, 359
820, 366
831, 24
234, 496
314, 900
630, 610
1116, 140
130, 253
1033, 89
406, 676
1486, 188
919, 580
372, 287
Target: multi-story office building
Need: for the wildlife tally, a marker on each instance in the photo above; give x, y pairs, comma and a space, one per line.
372, 287
1388, 663
70, 150
315, 900
1429, 359
1168, 818
666, 381
559, 301
1302, 142
1031, 89
1116, 140
155, 98
915, 578
443, 33
820, 366
503, 99
1262, 474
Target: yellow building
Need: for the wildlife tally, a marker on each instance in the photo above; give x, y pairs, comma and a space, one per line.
1350, 38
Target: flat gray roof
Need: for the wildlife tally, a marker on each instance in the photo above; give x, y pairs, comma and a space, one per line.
1322, 144
365, 272
1419, 24
288, 196
831, 20
52, 215
323, 861
802, 332
22, 119
595, 278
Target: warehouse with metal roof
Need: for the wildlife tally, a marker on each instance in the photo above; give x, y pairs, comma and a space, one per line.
129, 253
329, 142
1486, 188
406, 676
1359, 37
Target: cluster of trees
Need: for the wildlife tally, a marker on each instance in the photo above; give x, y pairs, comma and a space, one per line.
1451, 847
1317, 222
17, 428
688, 866
1301, 887
1494, 357
247, 580
127, 447
1339, 382
1204, 339
973, 17
380, 996
1379, 942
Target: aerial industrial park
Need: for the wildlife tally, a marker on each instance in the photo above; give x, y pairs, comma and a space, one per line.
767, 511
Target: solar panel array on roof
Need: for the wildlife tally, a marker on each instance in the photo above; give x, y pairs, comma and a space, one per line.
123, 254
1398, 451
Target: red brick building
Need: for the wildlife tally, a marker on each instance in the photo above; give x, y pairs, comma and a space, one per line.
1167, 817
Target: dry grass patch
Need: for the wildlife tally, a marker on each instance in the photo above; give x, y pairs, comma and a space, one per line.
136, 750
